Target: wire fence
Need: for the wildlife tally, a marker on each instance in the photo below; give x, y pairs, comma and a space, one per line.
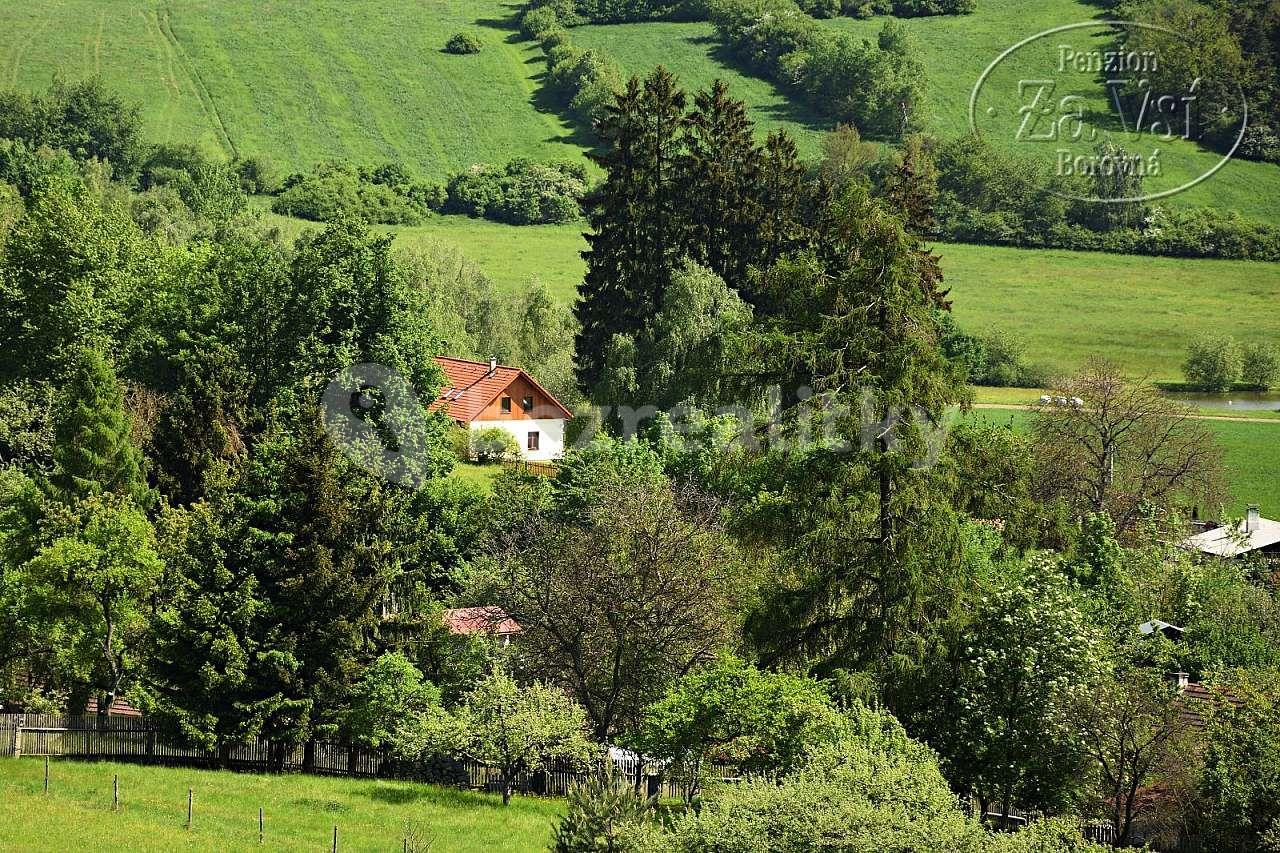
135, 740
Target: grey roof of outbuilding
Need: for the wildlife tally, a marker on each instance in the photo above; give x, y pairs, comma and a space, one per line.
1234, 541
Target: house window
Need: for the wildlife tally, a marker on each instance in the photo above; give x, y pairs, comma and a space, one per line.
506, 405
533, 441
526, 403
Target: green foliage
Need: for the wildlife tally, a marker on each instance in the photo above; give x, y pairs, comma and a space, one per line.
95, 580
619, 565
511, 728
1213, 363
494, 444
94, 451
873, 788
1260, 366
72, 275
601, 816
876, 87
520, 193
1004, 732
1241, 778
463, 43
687, 350
333, 191
731, 712
996, 358
389, 695
681, 185
83, 118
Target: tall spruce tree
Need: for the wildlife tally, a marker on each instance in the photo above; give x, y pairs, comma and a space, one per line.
635, 223
871, 525
722, 165
94, 451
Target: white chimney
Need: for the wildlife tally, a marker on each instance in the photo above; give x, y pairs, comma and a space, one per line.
1180, 680
493, 365
1252, 517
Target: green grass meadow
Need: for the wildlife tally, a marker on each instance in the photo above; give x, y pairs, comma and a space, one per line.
300, 812
1252, 457
302, 80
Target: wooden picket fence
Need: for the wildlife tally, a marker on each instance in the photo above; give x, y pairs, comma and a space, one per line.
133, 739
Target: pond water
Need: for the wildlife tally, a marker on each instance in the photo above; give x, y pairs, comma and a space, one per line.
1243, 402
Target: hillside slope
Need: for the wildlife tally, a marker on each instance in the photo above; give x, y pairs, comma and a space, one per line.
301, 80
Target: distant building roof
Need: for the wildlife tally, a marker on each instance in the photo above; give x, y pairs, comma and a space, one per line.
481, 620
472, 385
1173, 632
1251, 534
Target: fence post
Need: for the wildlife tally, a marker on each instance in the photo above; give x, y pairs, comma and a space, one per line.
191, 795
46, 774
17, 735
335, 838
115, 792
260, 827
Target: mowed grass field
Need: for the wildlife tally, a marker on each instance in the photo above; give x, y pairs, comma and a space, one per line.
302, 80
1252, 457
299, 811
1067, 306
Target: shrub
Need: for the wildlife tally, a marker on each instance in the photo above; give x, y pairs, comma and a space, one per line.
1213, 363
387, 194
538, 22
1260, 366
258, 175
521, 193
463, 43
494, 444
600, 817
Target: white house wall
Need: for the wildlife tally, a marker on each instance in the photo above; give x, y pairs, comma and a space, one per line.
550, 441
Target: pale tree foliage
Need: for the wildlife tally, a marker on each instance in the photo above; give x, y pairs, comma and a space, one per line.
1132, 726
1108, 443
505, 726
1026, 653
619, 603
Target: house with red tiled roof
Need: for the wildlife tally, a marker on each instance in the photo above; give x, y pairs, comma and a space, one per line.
479, 395
482, 620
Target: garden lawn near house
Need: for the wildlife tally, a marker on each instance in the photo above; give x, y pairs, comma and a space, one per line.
300, 812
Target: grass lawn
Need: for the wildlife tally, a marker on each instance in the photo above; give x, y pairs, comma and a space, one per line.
1139, 312
300, 812
302, 80
1252, 457
479, 475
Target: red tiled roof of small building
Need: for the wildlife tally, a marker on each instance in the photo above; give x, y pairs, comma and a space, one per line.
472, 385
480, 620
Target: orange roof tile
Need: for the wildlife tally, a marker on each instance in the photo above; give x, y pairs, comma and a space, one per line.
471, 386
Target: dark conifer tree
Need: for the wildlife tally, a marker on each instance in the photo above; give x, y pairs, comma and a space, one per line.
722, 166
635, 223
783, 195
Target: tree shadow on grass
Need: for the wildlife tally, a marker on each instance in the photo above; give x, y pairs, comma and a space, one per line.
413, 793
